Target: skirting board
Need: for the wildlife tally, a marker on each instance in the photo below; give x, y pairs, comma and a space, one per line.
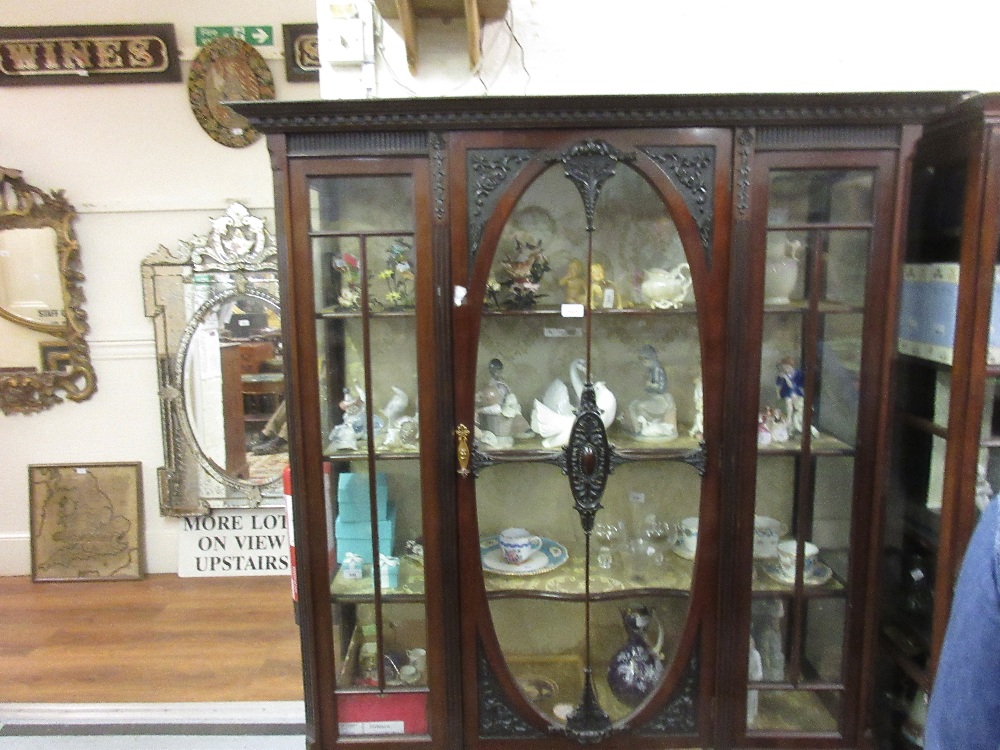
286, 714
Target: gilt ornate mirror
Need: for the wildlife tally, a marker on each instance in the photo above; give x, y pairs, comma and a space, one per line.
214, 305
44, 358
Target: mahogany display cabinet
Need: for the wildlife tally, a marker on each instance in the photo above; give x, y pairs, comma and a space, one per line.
593, 404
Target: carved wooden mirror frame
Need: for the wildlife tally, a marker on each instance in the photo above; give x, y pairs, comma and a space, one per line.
65, 370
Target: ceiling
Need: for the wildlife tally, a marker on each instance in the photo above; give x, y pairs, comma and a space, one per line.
473, 11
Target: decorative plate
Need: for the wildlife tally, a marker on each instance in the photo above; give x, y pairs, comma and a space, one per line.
228, 69
820, 574
549, 557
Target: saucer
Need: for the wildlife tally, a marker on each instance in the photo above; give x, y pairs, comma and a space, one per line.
820, 574
680, 551
549, 557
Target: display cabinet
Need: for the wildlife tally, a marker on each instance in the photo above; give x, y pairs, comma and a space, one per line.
944, 463
589, 413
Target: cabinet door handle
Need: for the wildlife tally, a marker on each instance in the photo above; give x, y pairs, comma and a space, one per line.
462, 433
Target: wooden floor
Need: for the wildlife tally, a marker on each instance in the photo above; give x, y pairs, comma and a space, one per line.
162, 639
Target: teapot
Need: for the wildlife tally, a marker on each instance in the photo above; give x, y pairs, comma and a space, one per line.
666, 289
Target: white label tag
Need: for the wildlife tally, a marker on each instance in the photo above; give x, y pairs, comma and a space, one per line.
357, 728
572, 310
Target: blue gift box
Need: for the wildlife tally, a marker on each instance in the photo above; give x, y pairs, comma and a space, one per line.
356, 536
353, 503
927, 310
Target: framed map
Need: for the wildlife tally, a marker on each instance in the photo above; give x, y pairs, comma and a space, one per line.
86, 521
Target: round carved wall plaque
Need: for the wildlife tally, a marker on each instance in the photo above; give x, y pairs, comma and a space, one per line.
228, 69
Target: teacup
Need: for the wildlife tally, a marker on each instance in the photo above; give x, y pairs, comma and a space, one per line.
788, 553
518, 545
766, 533
687, 535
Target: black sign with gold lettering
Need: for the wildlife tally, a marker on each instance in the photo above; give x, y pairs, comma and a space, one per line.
49, 55
301, 51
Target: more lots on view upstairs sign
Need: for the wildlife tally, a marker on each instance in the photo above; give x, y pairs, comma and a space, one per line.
45, 55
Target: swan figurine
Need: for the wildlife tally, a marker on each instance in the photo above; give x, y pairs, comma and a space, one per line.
553, 417
396, 405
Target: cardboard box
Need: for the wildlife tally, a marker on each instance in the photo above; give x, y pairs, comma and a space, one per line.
927, 311
353, 500
356, 536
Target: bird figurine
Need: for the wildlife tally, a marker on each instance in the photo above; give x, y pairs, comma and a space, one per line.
396, 405
554, 416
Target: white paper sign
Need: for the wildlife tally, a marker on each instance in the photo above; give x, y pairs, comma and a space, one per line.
244, 542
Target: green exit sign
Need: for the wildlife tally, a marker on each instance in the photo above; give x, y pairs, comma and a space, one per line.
258, 36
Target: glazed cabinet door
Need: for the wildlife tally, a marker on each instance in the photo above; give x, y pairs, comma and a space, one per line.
358, 274
589, 308
821, 248
946, 422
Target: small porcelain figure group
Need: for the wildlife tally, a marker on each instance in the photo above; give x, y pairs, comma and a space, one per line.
393, 429
498, 412
654, 416
775, 425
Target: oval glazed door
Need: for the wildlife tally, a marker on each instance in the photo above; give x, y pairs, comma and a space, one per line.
589, 401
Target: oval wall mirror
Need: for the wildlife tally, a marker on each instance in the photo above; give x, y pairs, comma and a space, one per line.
45, 357
214, 305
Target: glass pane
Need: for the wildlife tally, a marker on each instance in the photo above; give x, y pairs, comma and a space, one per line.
365, 269
823, 651
835, 407
847, 266
794, 710
361, 204
820, 196
988, 470
538, 347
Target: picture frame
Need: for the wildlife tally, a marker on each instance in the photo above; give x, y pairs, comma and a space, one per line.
86, 521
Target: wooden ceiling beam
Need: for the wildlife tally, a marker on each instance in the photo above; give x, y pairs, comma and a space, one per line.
473, 11
473, 32
408, 19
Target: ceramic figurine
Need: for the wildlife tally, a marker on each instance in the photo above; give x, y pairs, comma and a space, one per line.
984, 492
654, 416
697, 430
603, 293
353, 427
763, 431
755, 673
397, 404
664, 289
518, 289
498, 411
776, 424
636, 669
575, 283
790, 384
554, 416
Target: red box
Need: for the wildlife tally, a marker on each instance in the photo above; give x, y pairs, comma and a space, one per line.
382, 714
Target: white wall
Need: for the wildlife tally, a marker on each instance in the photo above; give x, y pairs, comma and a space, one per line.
141, 172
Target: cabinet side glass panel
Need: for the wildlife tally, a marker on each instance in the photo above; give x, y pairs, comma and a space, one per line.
361, 230
817, 246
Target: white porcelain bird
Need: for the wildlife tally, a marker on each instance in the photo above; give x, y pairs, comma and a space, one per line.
553, 417
397, 404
